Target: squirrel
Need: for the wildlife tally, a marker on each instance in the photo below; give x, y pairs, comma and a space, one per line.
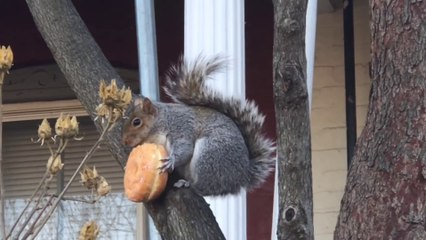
215, 143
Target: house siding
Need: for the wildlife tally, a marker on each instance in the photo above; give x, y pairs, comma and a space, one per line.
328, 111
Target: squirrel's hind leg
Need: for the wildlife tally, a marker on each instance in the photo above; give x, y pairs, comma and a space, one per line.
219, 164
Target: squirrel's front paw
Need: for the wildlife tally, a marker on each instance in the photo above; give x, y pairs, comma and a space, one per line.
181, 183
168, 164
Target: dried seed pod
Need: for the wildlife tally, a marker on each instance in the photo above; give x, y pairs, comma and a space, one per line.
66, 126
125, 97
102, 110
108, 93
54, 165
102, 86
44, 131
74, 125
103, 187
89, 178
6, 58
89, 231
114, 100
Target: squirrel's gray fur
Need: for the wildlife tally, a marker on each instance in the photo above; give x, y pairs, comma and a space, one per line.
215, 143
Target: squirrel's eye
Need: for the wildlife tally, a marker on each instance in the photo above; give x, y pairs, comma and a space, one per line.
136, 122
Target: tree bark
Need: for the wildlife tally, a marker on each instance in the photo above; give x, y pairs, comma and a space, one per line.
182, 214
293, 123
179, 213
385, 195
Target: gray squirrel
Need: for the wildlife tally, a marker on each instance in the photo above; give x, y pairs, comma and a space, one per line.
214, 143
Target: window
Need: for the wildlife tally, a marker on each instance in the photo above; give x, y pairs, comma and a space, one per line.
24, 164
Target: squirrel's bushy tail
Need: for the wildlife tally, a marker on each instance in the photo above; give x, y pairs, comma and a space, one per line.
185, 84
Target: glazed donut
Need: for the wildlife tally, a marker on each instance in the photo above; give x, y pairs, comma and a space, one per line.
143, 180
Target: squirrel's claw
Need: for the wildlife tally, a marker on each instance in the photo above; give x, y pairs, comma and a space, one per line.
181, 183
168, 165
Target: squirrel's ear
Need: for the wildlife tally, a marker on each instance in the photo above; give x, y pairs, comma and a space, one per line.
147, 106
138, 102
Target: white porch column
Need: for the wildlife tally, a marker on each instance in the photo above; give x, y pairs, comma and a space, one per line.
217, 27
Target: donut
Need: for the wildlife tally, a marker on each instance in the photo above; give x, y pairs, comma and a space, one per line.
143, 180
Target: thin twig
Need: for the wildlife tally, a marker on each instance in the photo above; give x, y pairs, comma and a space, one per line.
44, 181
58, 199
34, 224
28, 204
62, 146
78, 199
33, 210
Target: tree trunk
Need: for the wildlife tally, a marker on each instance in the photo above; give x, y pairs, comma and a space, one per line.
180, 213
385, 195
293, 123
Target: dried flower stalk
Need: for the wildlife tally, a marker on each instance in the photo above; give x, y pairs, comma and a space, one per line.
110, 110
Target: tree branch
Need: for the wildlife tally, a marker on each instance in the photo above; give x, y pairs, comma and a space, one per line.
293, 122
182, 214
